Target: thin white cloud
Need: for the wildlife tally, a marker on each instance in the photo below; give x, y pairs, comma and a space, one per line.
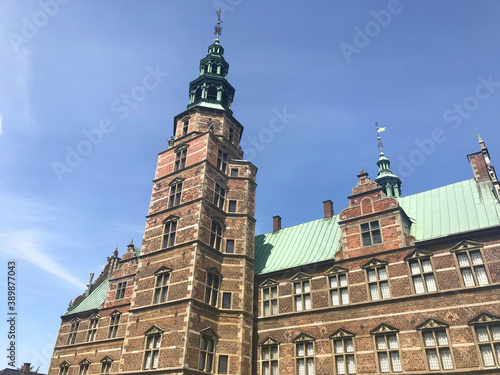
36, 242
27, 245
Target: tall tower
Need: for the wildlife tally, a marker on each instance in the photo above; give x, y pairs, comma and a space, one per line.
192, 304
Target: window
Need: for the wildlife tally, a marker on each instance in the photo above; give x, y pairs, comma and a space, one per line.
377, 280
370, 233
185, 128
152, 351
169, 229
302, 295
212, 288
84, 369
161, 287
175, 194
120, 290
269, 359
472, 268
232, 206
106, 365
422, 275
388, 352
488, 337
437, 349
343, 349
216, 235
222, 364
219, 196
226, 300
75, 323
231, 134
64, 368
234, 172
222, 160
180, 159
230, 246
304, 358
206, 353
270, 300
338, 289
93, 322
113, 324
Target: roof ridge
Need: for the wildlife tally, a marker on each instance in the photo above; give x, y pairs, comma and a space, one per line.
296, 225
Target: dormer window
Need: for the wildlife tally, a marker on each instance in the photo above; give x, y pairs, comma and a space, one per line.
370, 233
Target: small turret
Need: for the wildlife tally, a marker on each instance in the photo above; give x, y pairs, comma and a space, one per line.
386, 179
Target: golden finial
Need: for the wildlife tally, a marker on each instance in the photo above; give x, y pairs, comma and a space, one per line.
379, 130
218, 27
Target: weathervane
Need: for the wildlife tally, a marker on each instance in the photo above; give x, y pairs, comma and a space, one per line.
380, 130
218, 27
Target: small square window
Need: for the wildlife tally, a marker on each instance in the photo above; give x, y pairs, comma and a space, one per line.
226, 300
234, 172
222, 364
232, 206
370, 233
230, 246
120, 290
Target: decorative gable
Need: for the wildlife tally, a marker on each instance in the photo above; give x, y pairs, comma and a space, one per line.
175, 181
209, 332
115, 313
163, 269
182, 146
268, 282
383, 328
335, 270
341, 333
94, 316
269, 341
154, 330
432, 324
65, 364
303, 338
485, 318
171, 218
466, 245
75, 320
415, 254
300, 276
375, 263
107, 359
85, 361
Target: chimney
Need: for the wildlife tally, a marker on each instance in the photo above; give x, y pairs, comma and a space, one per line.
328, 208
276, 223
26, 368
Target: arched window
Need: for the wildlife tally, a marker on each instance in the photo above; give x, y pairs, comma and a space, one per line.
212, 93
197, 94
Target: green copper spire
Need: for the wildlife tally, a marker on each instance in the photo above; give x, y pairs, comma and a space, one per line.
211, 89
385, 178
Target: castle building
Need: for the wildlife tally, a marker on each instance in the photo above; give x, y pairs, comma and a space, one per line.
391, 284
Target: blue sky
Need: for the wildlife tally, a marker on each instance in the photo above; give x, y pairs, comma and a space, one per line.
311, 79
